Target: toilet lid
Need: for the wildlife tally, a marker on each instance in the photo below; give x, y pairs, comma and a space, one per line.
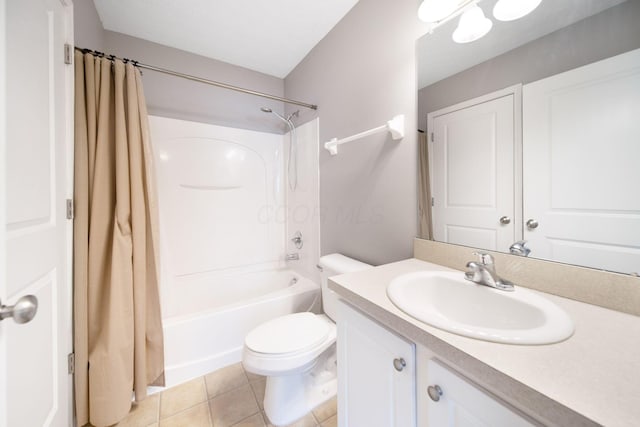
288, 334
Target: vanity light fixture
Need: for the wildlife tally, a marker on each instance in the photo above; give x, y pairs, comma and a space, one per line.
510, 10
472, 25
434, 11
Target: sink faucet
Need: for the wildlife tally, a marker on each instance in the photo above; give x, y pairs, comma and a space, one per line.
484, 273
519, 248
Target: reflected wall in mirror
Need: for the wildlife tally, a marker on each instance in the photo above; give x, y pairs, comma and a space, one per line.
532, 133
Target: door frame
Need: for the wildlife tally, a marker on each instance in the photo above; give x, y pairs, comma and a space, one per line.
67, 291
516, 91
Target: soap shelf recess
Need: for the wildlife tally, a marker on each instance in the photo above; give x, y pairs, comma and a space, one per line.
395, 126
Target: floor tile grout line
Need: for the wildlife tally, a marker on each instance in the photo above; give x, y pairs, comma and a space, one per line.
249, 416
185, 409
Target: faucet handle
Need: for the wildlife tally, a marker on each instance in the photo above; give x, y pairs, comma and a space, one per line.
485, 258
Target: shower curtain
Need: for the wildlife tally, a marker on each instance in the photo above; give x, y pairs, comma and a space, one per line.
117, 324
424, 189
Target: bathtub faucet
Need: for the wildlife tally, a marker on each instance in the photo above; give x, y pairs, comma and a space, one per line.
292, 257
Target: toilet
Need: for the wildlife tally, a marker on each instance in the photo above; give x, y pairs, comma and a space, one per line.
297, 352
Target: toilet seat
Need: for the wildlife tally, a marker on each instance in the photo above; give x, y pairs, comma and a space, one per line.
297, 347
286, 335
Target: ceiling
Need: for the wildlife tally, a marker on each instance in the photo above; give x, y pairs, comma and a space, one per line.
439, 56
271, 37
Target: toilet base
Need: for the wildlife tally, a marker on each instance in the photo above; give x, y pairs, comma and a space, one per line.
288, 398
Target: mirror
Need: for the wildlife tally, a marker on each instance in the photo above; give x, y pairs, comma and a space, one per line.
563, 173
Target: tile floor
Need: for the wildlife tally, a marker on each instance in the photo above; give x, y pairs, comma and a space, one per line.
229, 397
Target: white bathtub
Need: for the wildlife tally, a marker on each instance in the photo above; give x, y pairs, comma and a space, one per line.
205, 330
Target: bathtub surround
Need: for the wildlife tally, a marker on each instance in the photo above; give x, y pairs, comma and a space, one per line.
118, 333
303, 211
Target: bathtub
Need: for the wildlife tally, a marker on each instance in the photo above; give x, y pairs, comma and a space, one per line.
205, 330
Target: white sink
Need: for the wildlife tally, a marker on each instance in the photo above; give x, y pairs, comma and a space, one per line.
447, 301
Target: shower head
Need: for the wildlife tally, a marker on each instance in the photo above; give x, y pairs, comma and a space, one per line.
286, 120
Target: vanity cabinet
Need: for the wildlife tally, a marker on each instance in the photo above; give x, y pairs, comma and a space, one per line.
382, 382
451, 400
376, 373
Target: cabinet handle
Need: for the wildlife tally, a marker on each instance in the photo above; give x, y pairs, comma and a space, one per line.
505, 220
434, 392
399, 364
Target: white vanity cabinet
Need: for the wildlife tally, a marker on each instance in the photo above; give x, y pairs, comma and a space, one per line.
383, 383
376, 374
452, 401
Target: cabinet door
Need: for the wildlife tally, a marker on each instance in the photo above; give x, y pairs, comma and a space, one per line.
462, 404
374, 388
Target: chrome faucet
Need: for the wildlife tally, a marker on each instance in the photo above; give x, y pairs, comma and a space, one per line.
519, 248
484, 273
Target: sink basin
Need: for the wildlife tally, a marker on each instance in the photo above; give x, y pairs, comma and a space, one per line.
447, 301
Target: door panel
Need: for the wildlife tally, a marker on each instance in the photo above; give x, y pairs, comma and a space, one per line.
36, 131
473, 173
578, 124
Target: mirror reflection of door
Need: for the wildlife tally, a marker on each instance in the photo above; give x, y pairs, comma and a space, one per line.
473, 146
581, 152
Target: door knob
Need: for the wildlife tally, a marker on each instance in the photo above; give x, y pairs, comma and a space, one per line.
399, 364
434, 392
505, 220
23, 311
532, 223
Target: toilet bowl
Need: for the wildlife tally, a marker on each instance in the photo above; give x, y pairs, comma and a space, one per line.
297, 352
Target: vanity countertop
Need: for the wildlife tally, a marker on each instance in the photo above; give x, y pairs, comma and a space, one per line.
592, 378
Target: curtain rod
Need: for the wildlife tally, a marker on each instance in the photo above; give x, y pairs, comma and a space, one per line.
199, 79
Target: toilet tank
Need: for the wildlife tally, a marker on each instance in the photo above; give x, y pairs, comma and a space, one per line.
332, 265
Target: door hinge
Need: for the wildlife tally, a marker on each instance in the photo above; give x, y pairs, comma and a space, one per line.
67, 53
432, 138
71, 363
433, 202
70, 209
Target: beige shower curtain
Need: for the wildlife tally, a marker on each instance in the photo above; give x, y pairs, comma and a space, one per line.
424, 189
117, 324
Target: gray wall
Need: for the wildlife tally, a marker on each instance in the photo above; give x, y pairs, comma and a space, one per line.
611, 32
173, 97
87, 27
361, 75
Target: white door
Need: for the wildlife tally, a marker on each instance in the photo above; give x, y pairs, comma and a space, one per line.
473, 151
35, 237
376, 374
581, 147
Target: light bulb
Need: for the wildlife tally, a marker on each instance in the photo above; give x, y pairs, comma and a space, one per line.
510, 10
436, 10
472, 26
